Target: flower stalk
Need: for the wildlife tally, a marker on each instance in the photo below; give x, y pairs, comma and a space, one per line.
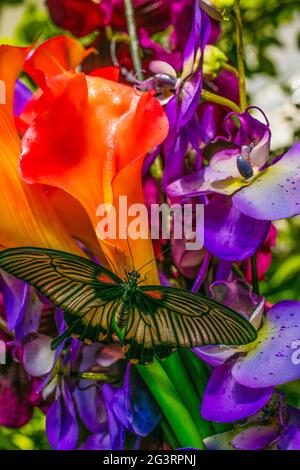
134, 43
214, 98
240, 55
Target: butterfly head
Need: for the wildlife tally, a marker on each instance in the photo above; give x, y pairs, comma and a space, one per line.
133, 276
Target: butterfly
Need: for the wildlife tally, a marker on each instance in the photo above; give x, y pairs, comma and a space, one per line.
150, 320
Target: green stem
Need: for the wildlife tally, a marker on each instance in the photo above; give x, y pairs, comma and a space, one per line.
170, 402
169, 434
199, 373
231, 69
92, 376
209, 96
237, 271
134, 43
240, 55
174, 410
197, 369
255, 282
3, 327
189, 396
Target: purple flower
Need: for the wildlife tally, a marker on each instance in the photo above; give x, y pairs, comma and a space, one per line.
22, 306
270, 193
184, 124
243, 379
61, 421
134, 406
228, 233
251, 140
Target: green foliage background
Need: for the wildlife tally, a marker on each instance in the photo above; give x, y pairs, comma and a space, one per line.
262, 20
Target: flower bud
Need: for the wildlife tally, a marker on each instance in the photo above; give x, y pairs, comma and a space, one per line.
213, 61
222, 4
38, 356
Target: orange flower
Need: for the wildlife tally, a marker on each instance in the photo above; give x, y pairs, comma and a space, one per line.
89, 138
27, 217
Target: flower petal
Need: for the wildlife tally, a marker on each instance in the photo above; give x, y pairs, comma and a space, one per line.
136, 408
239, 296
225, 400
215, 355
275, 194
25, 211
273, 358
220, 441
98, 441
193, 52
255, 438
53, 57
229, 234
61, 424
38, 357
290, 439
106, 119
90, 406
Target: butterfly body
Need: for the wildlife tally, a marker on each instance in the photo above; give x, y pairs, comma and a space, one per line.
130, 287
149, 320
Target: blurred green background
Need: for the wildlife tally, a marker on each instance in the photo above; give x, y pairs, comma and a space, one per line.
272, 39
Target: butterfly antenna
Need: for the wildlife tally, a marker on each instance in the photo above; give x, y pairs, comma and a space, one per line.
111, 262
131, 256
119, 261
157, 257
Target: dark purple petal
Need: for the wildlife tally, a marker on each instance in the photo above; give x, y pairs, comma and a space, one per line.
175, 156
160, 53
61, 423
275, 194
202, 273
290, 440
114, 426
99, 441
225, 400
136, 409
90, 405
191, 90
274, 358
250, 130
229, 234
88, 356
30, 315
15, 294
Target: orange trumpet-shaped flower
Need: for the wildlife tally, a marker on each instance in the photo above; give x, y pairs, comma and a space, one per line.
89, 138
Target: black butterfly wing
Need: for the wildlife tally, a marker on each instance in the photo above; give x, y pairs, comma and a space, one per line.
88, 293
164, 319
